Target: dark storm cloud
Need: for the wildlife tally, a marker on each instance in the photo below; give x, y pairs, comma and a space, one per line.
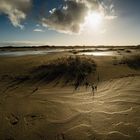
70, 16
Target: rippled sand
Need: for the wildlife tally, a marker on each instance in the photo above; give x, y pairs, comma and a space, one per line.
61, 113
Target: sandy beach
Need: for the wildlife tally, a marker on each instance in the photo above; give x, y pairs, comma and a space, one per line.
34, 110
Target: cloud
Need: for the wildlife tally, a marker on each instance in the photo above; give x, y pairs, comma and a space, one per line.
69, 17
38, 30
16, 10
37, 25
108, 9
110, 17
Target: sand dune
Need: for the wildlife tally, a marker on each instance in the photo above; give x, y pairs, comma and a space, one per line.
44, 112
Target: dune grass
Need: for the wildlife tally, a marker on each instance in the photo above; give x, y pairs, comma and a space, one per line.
132, 62
72, 69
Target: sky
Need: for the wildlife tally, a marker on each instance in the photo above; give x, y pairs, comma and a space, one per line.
69, 22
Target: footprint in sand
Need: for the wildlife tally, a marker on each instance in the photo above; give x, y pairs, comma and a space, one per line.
31, 119
13, 119
60, 136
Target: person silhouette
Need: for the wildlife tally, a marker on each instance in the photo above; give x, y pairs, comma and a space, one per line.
87, 84
93, 88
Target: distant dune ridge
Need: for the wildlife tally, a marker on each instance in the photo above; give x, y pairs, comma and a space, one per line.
50, 97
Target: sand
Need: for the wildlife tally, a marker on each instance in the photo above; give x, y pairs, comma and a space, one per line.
36, 111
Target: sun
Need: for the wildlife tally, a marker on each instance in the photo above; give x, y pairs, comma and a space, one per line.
93, 20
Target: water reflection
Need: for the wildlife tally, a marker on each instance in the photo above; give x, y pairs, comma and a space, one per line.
103, 53
23, 53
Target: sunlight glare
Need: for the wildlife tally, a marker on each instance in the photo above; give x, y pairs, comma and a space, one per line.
93, 20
